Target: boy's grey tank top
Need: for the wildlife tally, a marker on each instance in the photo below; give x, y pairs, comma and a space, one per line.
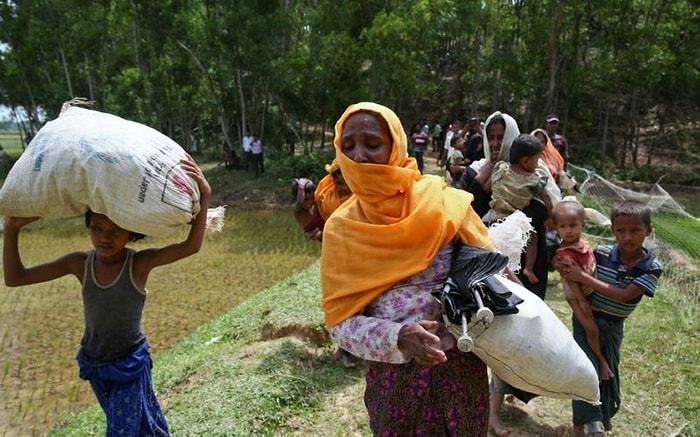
112, 315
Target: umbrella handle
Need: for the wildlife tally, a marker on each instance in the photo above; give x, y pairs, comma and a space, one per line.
465, 343
484, 315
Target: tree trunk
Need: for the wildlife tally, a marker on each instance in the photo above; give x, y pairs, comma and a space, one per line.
476, 59
65, 68
659, 134
31, 110
606, 126
323, 134
223, 119
91, 85
552, 53
135, 37
244, 124
634, 134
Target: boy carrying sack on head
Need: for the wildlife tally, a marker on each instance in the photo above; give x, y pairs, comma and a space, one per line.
114, 354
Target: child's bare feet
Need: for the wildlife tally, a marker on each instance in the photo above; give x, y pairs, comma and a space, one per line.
605, 373
498, 428
530, 276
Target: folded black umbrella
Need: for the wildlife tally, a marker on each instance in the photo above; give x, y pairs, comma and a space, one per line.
472, 271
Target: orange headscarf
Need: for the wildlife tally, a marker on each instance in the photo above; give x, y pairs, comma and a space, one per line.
392, 227
550, 156
326, 194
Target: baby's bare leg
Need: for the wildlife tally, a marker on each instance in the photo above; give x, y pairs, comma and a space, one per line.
530, 258
592, 338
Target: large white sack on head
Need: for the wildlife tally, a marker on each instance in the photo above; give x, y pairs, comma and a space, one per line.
89, 159
533, 351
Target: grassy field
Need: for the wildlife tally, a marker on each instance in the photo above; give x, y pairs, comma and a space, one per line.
12, 146
11, 142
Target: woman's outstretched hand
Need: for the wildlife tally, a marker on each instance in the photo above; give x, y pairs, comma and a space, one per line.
417, 341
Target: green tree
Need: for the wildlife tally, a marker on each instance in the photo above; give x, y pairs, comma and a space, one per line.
622, 75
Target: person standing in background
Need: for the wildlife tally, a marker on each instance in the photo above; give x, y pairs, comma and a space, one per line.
474, 147
558, 141
455, 162
454, 129
227, 156
247, 151
437, 132
257, 153
420, 141
550, 155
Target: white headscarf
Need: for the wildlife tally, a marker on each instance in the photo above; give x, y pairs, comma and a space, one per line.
509, 135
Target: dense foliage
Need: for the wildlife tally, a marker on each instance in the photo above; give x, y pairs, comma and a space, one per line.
622, 75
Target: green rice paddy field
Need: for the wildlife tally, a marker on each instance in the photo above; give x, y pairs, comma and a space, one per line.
11, 142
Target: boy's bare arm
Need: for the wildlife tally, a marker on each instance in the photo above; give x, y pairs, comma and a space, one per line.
17, 274
573, 272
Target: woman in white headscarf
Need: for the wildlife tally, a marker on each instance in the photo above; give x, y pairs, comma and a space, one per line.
500, 131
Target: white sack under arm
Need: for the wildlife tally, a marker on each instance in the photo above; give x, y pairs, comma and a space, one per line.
533, 351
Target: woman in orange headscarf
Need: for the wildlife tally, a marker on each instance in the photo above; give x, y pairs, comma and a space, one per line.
384, 250
550, 155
